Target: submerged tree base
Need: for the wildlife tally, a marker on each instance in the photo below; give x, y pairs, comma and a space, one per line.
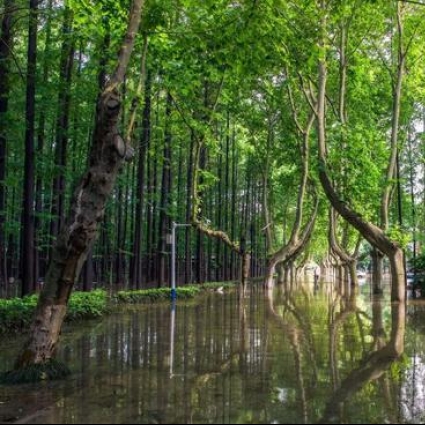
50, 371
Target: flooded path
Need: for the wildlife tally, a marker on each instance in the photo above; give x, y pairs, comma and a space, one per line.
287, 357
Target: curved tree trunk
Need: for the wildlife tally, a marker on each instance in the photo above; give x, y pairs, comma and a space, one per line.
296, 243
372, 368
347, 260
108, 153
292, 250
196, 207
372, 233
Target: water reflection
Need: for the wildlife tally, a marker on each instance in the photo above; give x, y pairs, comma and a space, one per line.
299, 356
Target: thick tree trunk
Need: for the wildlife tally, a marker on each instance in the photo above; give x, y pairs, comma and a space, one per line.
107, 155
352, 270
296, 243
373, 234
280, 274
341, 254
377, 271
398, 275
289, 252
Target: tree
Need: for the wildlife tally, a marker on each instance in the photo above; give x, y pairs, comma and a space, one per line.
297, 242
375, 235
28, 225
6, 39
108, 152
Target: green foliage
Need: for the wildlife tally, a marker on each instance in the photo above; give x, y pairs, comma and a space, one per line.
219, 285
87, 305
163, 294
16, 314
399, 235
150, 295
419, 263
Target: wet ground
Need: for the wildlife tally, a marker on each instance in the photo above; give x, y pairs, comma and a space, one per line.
295, 356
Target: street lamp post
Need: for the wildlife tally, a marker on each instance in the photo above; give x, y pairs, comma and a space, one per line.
174, 228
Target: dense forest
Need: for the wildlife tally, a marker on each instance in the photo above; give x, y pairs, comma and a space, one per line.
283, 132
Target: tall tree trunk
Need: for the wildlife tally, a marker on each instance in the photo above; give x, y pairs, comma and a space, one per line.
377, 271
296, 243
188, 240
6, 40
340, 253
89, 272
28, 233
373, 234
107, 155
395, 129
41, 252
164, 215
137, 269
62, 124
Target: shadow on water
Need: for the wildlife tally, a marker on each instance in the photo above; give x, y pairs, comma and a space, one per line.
302, 355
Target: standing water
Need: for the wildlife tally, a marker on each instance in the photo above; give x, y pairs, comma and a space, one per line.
302, 356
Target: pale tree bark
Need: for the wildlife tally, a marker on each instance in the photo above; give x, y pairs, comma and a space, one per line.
269, 225
374, 366
298, 241
347, 260
108, 153
289, 253
340, 251
391, 174
372, 233
395, 128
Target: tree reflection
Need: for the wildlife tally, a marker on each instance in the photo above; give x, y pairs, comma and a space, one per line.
374, 365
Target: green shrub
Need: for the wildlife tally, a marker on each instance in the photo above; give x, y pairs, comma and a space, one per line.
150, 295
17, 313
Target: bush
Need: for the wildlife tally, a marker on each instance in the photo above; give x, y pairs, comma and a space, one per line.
164, 294
16, 314
150, 295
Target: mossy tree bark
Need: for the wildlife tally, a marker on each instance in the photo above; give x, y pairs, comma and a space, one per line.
108, 152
